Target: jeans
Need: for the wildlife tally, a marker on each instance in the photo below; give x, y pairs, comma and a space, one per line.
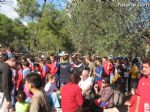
53, 99
13, 101
126, 79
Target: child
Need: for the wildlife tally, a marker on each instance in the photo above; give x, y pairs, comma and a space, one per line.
132, 102
37, 68
50, 86
21, 106
50, 89
39, 101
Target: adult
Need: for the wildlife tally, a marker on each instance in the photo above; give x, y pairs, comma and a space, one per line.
108, 66
134, 75
44, 71
64, 69
31, 63
86, 83
71, 93
6, 83
53, 65
143, 90
26, 69
90, 65
99, 71
78, 63
106, 94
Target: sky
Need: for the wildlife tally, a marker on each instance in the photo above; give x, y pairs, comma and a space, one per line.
60, 4
8, 7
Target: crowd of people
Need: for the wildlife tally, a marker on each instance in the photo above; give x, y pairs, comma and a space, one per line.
73, 83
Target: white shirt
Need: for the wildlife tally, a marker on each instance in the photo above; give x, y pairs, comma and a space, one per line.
50, 88
85, 84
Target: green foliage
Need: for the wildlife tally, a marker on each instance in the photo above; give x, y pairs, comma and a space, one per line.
89, 26
12, 33
106, 28
50, 30
28, 8
5, 29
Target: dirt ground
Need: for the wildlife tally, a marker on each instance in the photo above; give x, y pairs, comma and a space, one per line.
124, 108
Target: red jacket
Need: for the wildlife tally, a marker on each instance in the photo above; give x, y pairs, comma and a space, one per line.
53, 68
31, 66
71, 97
44, 70
19, 79
108, 67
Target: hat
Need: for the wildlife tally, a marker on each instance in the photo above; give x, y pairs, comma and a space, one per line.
63, 53
11, 55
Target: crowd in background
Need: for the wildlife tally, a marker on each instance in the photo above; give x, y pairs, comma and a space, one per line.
71, 83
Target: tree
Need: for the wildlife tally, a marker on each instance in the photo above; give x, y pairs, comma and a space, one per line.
28, 8
86, 26
5, 29
106, 28
50, 31
13, 32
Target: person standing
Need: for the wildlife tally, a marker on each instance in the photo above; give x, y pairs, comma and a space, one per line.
99, 71
26, 69
108, 66
72, 99
44, 71
65, 68
6, 83
39, 101
143, 89
53, 65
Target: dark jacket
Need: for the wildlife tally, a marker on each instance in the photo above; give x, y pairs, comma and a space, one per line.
6, 83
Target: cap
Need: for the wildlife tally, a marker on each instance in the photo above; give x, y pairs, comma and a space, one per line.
11, 55
63, 53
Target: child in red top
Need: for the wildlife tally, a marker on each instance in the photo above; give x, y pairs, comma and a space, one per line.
132, 102
53, 65
19, 78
